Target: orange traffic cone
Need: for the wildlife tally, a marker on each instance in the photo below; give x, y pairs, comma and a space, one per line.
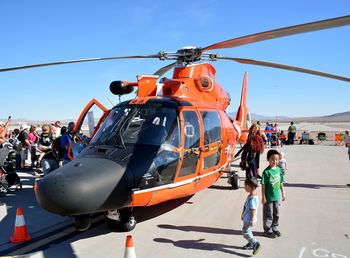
129, 248
20, 233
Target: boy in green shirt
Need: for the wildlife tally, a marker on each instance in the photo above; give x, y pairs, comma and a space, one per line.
272, 193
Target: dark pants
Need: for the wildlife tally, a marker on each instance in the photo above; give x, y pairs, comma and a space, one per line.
18, 160
271, 216
291, 137
250, 171
33, 156
257, 162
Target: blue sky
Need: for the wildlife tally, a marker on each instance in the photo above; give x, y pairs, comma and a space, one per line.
39, 31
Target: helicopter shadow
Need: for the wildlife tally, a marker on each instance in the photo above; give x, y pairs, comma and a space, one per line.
146, 213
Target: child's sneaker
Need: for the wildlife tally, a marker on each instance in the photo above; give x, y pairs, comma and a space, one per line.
256, 248
277, 233
248, 246
270, 234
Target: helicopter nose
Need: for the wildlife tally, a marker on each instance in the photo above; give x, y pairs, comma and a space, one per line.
85, 185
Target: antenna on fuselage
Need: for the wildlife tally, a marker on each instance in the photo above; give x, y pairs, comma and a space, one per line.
111, 102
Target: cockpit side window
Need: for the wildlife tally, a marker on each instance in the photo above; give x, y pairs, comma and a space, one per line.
191, 132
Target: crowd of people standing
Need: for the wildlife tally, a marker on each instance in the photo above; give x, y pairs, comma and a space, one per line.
45, 148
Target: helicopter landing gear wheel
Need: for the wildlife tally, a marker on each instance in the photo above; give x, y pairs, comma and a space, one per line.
129, 224
121, 219
233, 180
82, 222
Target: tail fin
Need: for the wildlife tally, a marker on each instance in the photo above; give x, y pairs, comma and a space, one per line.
243, 119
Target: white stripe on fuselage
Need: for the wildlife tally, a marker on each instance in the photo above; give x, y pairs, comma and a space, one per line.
184, 182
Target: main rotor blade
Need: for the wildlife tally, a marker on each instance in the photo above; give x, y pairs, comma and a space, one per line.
282, 32
164, 69
285, 67
76, 61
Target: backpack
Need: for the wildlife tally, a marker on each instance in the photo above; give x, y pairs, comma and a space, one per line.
57, 149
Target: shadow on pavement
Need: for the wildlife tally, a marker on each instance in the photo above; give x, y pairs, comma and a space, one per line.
200, 245
146, 213
314, 186
221, 187
223, 231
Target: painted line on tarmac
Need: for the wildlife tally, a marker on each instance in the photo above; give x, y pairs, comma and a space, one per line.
43, 241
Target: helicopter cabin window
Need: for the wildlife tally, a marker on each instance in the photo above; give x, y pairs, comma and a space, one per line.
212, 134
192, 141
211, 160
212, 127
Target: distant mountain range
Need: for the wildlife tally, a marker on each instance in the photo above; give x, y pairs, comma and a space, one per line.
338, 117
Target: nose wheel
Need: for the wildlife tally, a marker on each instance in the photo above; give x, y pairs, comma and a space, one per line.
82, 222
122, 219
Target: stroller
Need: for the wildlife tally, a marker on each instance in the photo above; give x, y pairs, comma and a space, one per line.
8, 176
274, 140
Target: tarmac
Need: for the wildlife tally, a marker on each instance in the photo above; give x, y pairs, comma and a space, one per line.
314, 219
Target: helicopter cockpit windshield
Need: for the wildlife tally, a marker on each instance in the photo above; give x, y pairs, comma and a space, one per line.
139, 125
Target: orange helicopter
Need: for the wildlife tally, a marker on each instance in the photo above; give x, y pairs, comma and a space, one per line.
171, 141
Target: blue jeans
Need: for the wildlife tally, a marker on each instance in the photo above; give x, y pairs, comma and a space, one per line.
248, 234
251, 169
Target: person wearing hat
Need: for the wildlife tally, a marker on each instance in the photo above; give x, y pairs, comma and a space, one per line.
49, 160
23, 138
45, 141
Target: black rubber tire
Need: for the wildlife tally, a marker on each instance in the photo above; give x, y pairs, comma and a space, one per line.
235, 182
82, 222
129, 224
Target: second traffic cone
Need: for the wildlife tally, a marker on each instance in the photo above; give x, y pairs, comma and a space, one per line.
129, 248
20, 233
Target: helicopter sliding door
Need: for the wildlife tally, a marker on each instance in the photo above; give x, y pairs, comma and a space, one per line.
202, 141
211, 151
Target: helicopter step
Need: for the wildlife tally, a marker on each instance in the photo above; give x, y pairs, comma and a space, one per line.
122, 219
